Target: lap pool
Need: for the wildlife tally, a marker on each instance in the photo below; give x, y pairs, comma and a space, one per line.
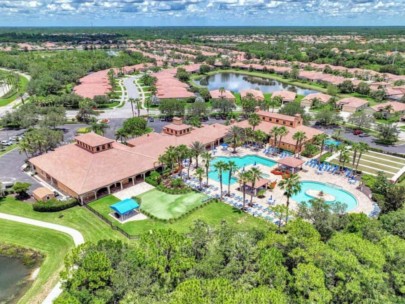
241, 162
339, 194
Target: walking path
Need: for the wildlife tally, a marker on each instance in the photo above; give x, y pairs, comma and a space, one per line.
74, 234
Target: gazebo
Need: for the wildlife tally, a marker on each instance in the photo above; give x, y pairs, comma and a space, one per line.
125, 209
292, 163
260, 184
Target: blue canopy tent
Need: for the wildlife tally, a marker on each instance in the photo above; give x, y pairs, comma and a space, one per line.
125, 208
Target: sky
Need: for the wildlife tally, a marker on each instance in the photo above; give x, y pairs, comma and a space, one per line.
201, 12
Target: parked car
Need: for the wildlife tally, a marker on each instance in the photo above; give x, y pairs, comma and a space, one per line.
357, 132
364, 135
151, 119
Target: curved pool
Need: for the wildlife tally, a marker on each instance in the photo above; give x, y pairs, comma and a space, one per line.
241, 162
339, 194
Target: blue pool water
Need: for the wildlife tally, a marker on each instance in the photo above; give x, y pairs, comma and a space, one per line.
240, 162
332, 142
340, 195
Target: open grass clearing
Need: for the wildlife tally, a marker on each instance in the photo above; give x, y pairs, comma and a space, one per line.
213, 214
79, 218
54, 245
372, 170
387, 157
376, 159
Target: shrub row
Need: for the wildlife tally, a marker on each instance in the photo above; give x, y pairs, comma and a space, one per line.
151, 181
173, 191
54, 205
27, 256
172, 220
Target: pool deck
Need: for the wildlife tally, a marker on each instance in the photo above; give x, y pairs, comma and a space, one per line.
364, 203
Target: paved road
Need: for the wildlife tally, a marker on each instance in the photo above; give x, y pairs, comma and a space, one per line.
10, 106
77, 237
369, 140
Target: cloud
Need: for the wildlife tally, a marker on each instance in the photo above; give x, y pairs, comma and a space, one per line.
203, 12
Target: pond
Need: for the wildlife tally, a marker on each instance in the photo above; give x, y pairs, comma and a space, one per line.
12, 275
239, 82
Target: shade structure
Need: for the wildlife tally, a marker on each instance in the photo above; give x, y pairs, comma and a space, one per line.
224, 145
125, 206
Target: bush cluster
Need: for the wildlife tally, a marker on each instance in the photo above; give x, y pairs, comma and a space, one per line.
172, 190
54, 205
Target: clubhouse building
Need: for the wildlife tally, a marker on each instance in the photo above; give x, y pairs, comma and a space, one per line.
95, 166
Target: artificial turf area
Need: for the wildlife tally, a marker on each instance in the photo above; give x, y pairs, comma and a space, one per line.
54, 245
371, 162
166, 206
213, 214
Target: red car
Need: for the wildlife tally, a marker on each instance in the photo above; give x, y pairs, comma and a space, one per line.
357, 132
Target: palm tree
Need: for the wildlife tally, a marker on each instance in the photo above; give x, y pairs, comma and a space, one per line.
170, 157
234, 135
220, 166
355, 149
207, 157
181, 154
274, 133
254, 120
291, 186
274, 102
283, 131
343, 156
137, 101
320, 138
131, 101
363, 147
244, 178
231, 167
255, 175
221, 91
121, 135
199, 172
99, 128
299, 137
197, 148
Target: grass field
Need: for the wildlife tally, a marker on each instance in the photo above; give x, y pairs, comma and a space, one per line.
372, 162
213, 214
22, 87
92, 228
165, 206
54, 245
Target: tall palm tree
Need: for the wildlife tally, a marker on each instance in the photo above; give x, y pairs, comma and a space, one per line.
138, 104
255, 175
254, 120
291, 186
170, 157
181, 154
244, 178
343, 155
198, 148
274, 132
274, 102
283, 131
234, 135
231, 167
131, 101
355, 149
199, 172
220, 166
363, 147
121, 135
221, 91
320, 138
207, 157
299, 137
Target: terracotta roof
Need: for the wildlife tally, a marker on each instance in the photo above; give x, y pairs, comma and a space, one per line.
260, 183
177, 127
396, 106
258, 95
324, 98
285, 95
93, 139
276, 115
352, 102
291, 162
216, 94
42, 192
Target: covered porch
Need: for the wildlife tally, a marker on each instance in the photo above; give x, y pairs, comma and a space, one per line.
291, 164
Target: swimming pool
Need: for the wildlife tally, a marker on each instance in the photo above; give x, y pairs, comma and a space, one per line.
240, 163
332, 142
339, 194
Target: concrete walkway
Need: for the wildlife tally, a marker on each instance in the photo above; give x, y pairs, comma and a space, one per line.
74, 234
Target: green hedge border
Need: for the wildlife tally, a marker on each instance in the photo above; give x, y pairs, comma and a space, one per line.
54, 205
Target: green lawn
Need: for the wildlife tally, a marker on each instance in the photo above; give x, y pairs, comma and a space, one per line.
54, 245
92, 228
22, 87
166, 206
213, 214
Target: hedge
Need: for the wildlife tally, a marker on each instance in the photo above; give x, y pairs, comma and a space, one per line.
54, 205
173, 191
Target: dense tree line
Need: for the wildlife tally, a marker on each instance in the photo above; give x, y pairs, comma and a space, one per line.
58, 72
357, 262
